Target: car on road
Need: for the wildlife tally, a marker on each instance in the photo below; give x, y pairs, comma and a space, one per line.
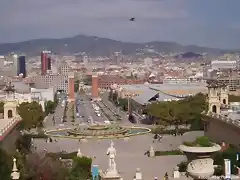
107, 122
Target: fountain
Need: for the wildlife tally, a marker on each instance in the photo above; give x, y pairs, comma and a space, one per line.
199, 156
100, 131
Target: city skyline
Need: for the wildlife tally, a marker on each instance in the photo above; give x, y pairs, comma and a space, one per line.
212, 23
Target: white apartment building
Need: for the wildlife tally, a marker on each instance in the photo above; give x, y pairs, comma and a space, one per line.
2, 59
216, 64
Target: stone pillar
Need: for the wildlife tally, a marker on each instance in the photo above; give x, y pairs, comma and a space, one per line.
176, 173
151, 152
138, 175
15, 174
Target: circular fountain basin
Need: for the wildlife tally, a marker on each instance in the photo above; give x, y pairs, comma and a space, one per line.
98, 131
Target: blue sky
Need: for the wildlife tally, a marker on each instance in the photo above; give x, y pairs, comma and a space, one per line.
213, 23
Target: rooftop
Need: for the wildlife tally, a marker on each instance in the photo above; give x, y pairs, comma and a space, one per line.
169, 89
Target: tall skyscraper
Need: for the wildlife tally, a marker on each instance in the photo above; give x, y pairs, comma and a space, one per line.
45, 55
21, 66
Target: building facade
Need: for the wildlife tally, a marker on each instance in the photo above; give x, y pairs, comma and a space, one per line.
95, 85
21, 69
45, 56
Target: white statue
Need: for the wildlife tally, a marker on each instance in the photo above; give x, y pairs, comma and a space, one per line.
79, 154
111, 152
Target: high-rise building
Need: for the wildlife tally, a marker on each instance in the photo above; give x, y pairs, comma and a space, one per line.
15, 63
21, 66
44, 61
85, 61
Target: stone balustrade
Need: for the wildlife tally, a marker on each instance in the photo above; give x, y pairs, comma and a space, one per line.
8, 125
223, 118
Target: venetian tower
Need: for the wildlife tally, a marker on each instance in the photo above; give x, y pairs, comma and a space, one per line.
10, 105
217, 96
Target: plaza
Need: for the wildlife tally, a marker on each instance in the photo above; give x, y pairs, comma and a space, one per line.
130, 154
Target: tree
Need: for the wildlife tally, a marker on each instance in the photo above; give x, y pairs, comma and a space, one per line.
115, 97
32, 115
110, 95
186, 111
123, 103
50, 107
76, 85
56, 98
1, 107
81, 169
24, 144
40, 166
5, 165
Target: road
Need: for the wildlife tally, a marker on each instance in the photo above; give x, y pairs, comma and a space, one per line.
86, 111
110, 105
56, 117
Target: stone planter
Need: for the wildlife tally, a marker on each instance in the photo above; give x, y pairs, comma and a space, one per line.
200, 162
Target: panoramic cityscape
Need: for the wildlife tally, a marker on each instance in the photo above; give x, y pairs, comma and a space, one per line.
120, 100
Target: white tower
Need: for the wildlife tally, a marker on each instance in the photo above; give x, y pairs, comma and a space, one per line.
214, 102
224, 90
10, 105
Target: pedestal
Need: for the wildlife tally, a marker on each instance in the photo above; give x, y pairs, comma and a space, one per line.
110, 175
201, 164
201, 168
151, 152
176, 174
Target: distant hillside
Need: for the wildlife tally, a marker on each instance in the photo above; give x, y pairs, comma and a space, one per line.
189, 55
95, 45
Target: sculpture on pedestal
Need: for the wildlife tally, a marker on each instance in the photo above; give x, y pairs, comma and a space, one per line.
111, 172
111, 152
79, 154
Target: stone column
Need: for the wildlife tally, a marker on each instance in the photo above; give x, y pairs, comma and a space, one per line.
138, 175
151, 152
15, 174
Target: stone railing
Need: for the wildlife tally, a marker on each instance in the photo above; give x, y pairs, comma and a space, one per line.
223, 118
9, 125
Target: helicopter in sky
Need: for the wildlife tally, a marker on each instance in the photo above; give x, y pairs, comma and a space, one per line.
132, 19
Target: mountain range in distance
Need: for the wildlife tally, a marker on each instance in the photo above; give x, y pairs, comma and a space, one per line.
97, 46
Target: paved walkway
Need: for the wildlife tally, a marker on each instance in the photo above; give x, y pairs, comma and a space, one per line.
130, 154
